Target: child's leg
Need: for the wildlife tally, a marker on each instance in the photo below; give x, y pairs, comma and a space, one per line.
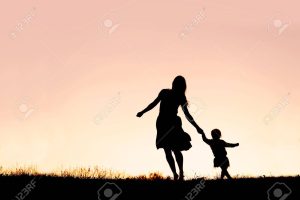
222, 173
225, 172
179, 159
171, 162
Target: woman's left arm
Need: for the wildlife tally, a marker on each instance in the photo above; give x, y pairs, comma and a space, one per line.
190, 118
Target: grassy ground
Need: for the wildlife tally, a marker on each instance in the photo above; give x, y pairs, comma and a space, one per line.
25, 186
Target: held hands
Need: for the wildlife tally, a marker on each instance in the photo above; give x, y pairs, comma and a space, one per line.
199, 130
139, 114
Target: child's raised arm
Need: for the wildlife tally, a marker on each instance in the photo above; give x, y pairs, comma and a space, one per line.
204, 138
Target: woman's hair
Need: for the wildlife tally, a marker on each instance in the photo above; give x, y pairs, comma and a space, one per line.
179, 84
179, 87
216, 134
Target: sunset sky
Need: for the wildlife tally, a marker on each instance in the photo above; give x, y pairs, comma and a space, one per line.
73, 75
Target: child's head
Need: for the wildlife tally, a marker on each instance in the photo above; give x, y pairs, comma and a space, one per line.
216, 134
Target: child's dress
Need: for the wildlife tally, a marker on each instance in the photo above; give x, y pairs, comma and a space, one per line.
220, 153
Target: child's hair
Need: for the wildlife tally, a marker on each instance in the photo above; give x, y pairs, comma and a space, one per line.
216, 134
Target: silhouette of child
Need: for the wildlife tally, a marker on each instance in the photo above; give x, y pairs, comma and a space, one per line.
218, 148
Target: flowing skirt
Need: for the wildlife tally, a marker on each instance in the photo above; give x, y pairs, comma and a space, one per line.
170, 136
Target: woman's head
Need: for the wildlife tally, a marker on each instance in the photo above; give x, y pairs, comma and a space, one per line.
216, 134
179, 85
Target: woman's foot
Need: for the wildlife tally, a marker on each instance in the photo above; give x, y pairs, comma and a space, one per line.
175, 177
181, 177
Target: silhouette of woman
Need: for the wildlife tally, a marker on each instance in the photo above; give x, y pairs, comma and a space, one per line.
167, 121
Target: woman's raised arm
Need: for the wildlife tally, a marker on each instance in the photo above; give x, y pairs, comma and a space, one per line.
149, 107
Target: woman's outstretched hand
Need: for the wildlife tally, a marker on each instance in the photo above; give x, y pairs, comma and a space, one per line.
199, 130
139, 114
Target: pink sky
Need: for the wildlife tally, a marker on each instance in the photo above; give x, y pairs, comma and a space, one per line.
64, 63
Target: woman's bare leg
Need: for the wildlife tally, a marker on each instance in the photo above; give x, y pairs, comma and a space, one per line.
171, 162
222, 174
179, 159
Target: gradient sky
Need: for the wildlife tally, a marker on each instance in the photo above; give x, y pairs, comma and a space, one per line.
73, 75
